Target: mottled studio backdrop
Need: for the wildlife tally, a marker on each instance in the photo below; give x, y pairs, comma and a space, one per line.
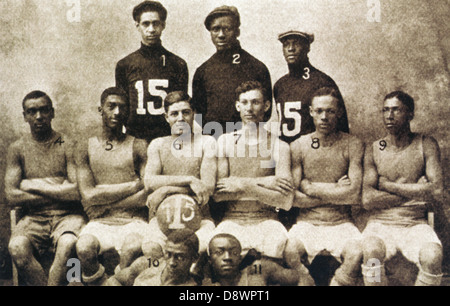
69, 49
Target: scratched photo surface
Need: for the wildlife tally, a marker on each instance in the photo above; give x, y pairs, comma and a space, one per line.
69, 49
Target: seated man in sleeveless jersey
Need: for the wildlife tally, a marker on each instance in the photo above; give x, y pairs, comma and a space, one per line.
109, 170
40, 179
327, 170
254, 178
183, 163
229, 268
402, 174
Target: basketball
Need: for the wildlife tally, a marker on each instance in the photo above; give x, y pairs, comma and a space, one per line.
178, 212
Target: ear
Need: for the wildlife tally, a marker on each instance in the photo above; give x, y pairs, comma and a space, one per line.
100, 109
163, 23
310, 111
136, 24
52, 115
238, 32
24, 116
266, 106
238, 106
166, 117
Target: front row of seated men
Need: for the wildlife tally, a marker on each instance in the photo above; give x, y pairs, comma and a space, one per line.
124, 182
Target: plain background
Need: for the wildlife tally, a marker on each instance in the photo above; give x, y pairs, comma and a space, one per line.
408, 49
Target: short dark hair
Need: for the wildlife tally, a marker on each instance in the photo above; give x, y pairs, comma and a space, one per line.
186, 237
403, 97
36, 94
116, 91
222, 235
251, 85
149, 6
175, 97
328, 91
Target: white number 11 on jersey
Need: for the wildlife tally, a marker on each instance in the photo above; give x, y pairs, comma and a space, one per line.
152, 89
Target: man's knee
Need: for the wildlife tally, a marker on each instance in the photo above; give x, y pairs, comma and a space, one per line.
132, 244
353, 253
20, 249
430, 258
294, 251
87, 246
66, 245
373, 248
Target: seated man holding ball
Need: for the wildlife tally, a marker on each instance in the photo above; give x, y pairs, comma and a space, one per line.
181, 176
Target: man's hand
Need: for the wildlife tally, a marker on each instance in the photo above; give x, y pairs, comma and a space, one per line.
228, 185
275, 183
344, 181
201, 191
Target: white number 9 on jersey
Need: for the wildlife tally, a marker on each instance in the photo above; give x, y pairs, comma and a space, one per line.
291, 112
153, 86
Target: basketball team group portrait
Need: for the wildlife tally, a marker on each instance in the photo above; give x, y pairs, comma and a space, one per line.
224, 143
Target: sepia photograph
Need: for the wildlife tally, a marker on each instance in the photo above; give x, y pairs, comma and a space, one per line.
224, 143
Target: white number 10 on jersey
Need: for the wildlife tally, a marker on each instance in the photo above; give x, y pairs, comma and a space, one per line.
154, 91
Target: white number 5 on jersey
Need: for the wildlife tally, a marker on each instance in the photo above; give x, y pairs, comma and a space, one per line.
154, 91
291, 112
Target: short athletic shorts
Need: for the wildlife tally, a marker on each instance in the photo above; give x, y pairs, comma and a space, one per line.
407, 240
331, 238
44, 230
268, 237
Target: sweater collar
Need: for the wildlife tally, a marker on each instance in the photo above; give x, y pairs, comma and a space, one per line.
297, 70
153, 50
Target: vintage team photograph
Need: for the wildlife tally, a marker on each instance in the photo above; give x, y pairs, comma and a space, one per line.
232, 143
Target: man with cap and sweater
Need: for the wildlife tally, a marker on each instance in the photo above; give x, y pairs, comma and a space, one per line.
293, 93
215, 80
148, 74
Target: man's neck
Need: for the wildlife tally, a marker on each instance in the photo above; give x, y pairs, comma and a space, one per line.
231, 280
43, 136
327, 140
297, 69
251, 132
401, 139
113, 134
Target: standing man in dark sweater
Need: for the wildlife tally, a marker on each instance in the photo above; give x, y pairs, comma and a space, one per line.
293, 93
215, 80
148, 74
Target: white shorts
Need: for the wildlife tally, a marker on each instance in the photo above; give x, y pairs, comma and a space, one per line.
268, 237
318, 238
113, 236
157, 236
407, 240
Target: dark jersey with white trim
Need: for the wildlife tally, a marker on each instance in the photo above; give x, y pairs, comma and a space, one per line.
293, 93
148, 75
215, 82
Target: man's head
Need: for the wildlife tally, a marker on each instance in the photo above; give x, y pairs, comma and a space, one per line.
225, 255
223, 23
326, 109
252, 102
296, 46
114, 107
180, 252
150, 18
179, 112
398, 111
38, 111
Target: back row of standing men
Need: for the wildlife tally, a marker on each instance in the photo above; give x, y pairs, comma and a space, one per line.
321, 173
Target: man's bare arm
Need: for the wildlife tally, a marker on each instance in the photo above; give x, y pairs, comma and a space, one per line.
13, 177
93, 194
372, 198
423, 190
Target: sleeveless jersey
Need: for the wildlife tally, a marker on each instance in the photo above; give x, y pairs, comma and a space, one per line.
46, 160
325, 165
114, 166
189, 165
293, 93
148, 75
408, 164
249, 161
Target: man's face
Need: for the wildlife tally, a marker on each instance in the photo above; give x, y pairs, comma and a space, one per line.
179, 259
224, 33
151, 27
180, 117
396, 116
252, 107
38, 113
225, 256
114, 112
295, 50
325, 112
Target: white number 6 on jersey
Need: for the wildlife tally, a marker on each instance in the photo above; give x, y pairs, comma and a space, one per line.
152, 88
